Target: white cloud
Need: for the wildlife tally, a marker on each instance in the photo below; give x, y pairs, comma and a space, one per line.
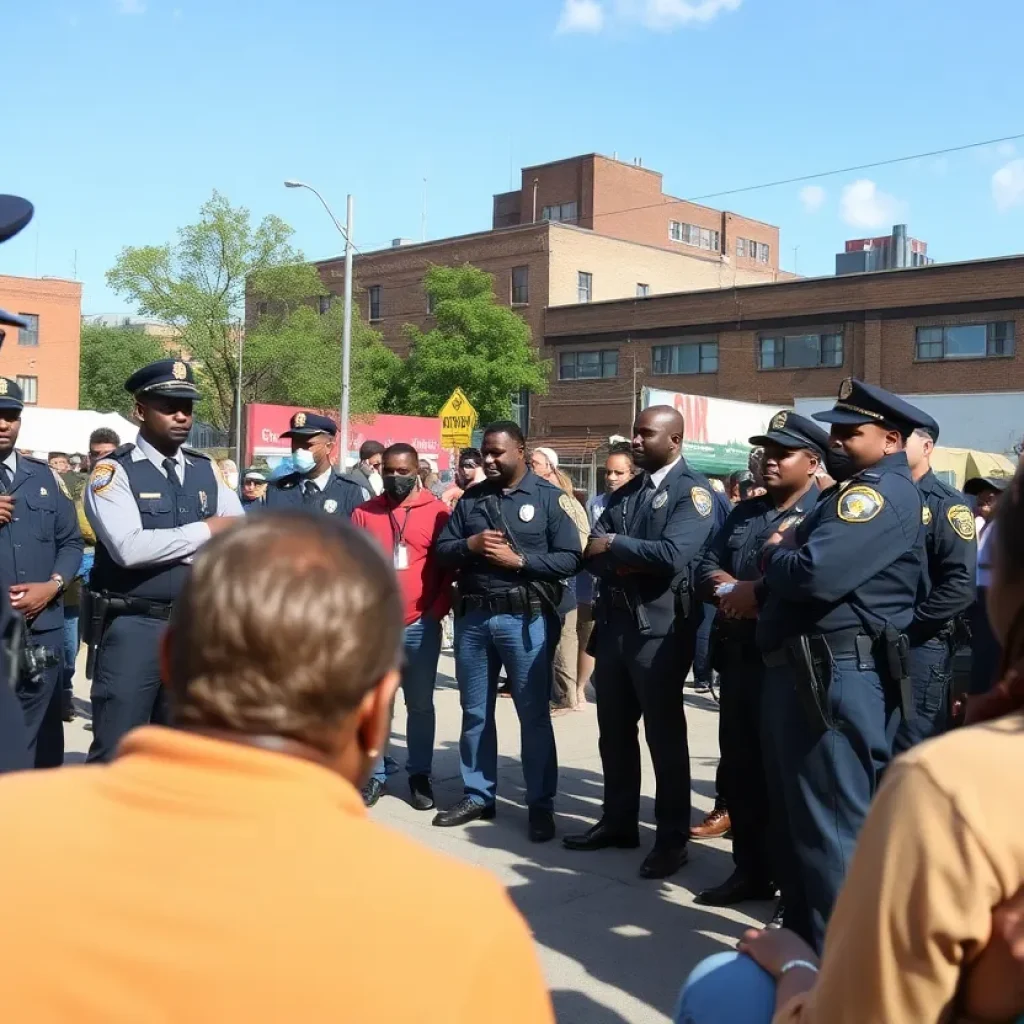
581, 16
666, 15
131, 7
862, 205
813, 198
1008, 185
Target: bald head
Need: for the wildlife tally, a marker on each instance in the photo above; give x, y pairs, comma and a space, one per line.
657, 437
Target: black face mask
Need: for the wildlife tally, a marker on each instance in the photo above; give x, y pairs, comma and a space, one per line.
839, 465
399, 487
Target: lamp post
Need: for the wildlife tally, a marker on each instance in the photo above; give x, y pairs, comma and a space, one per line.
346, 330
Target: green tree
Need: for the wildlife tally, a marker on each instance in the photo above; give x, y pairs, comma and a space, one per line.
477, 345
109, 356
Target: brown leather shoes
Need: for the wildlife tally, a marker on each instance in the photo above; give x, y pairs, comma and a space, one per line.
716, 824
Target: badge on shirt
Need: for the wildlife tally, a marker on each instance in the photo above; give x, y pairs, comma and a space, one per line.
526, 513
860, 504
789, 522
702, 501
659, 500
102, 477
203, 503
962, 520
401, 556
330, 505
926, 515
43, 492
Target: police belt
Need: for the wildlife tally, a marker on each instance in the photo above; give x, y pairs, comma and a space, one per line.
509, 602
842, 643
121, 604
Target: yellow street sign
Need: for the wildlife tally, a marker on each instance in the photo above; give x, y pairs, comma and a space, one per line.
458, 418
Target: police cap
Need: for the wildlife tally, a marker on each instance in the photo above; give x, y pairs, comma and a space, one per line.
791, 430
977, 484
11, 397
859, 403
15, 213
306, 424
167, 377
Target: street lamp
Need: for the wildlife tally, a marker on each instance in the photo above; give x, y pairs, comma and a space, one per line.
346, 330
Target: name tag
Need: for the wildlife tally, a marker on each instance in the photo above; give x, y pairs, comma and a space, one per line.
401, 556
157, 495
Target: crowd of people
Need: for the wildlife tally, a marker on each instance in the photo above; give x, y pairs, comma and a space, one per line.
827, 589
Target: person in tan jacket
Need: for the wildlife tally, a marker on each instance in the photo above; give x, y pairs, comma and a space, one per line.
230, 870
928, 925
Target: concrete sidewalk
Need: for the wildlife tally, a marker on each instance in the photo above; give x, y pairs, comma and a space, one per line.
615, 948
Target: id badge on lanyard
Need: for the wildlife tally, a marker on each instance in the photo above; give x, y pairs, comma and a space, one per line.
400, 550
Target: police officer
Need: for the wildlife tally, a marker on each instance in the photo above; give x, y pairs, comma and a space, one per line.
513, 543
152, 504
645, 550
40, 552
841, 588
730, 575
309, 481
946, 591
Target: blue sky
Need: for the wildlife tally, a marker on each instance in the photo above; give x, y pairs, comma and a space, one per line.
127, 113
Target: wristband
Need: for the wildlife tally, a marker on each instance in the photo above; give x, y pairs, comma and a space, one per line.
792, 965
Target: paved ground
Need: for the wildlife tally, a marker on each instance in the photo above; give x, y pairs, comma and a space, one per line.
615, 948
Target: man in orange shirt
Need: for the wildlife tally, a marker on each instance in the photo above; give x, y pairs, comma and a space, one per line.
232, 873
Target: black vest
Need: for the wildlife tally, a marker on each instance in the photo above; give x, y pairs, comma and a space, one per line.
159, 510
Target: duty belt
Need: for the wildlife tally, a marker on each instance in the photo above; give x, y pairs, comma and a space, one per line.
120, 604
509, 602
842, 643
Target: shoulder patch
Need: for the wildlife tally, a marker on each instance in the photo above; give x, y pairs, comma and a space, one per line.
102, 477
565, 504
859, 504
961, 518
926, 515
702, 501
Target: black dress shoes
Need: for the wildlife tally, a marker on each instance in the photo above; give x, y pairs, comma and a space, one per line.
602, 837
466, 810
542, 826
371, 792
421, 793
737, 888
664, 860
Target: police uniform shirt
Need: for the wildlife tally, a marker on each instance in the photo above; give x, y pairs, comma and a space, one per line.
533, 514
950, 563
43, 537
113, 512
334, 494
856, 560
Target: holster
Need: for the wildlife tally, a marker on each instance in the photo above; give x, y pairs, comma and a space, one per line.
93, 615
684, 598
896, 656
811, 663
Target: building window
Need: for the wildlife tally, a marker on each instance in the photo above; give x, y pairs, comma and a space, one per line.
788, 351
564, 212
29, 389
966, 341
759, 251
698, 356
691, 234
584, 286
374, 302
325, 304
588, 365
520, 286
29, 334
643, 290
741, 247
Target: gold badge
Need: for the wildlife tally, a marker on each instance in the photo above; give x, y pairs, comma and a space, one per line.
860, 504
659, 500
845, 389
926, 515
778, 421
102, 477
3, 385
299, 419
702, 501
961, 518
179, 371
330, 505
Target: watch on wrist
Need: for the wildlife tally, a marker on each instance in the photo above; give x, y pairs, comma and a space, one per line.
59, 580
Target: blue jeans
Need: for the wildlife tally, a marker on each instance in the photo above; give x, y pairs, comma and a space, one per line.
421, 644
727, 988
485, 643
70, 645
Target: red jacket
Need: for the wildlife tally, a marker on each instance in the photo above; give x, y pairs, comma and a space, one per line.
426, 586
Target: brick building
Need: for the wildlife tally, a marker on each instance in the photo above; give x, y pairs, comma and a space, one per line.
44, 357
943, 330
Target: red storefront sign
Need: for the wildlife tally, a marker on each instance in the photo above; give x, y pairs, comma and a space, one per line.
264, 425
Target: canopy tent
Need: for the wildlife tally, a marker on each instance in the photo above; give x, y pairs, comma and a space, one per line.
958, 465
67, 430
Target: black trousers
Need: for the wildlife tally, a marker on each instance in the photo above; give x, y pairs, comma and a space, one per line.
741, 774
637, 676
40, 704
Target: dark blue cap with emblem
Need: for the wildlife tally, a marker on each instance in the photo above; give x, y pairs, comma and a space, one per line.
306, 424
168, 378
15, 213
791, 430
11, 398
860, 403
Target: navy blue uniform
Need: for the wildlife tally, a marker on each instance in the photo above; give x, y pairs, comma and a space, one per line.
507, 617
646, 621
736, 550
43, 539
947, 590
856, 567
338, 496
